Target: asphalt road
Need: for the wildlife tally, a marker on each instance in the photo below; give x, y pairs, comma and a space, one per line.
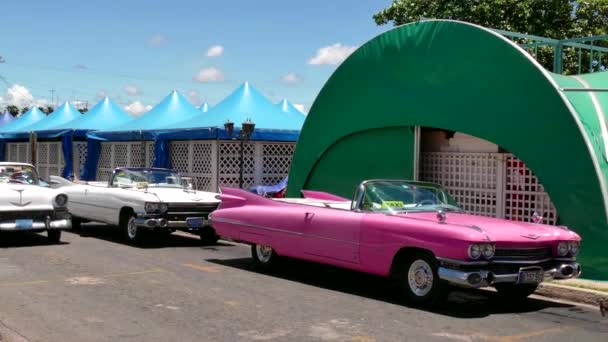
93, 287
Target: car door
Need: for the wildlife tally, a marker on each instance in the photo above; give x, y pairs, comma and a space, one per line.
332, 234
101, 204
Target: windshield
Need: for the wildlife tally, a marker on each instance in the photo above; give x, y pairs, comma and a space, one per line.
147, 178
19, 174
393, 196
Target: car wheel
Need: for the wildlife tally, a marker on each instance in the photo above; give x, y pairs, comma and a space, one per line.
53, 236
133, 234
515, 291
419, 282
264, 257
208, 236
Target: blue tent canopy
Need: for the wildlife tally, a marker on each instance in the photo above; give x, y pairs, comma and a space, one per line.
26, 119
204, 107
62, 115
288, 108
105, 114
6, 118
172, 109
244, 103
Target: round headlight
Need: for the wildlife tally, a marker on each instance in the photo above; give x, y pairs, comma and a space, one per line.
574, 247
487, 250
61, 200
151, 207
562, 248
163, 207
474, 251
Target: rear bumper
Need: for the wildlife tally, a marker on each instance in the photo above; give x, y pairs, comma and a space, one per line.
37, 226
482, 278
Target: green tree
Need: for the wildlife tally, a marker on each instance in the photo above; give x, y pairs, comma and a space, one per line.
25, 109
83, 110
558, 19
48, 109
14, 110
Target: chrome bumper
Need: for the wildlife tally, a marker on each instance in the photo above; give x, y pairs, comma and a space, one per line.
37, 225
153, 223
483, 278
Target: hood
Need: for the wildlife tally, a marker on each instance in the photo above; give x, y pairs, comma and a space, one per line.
179, 195
500, 229
26, 197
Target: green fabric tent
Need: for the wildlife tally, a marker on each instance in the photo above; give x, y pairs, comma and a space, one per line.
466, 78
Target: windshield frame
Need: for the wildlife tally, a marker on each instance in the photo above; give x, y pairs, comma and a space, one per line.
35, 178
146, 173
360, 192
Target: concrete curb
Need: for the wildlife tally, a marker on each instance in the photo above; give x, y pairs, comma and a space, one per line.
573, 294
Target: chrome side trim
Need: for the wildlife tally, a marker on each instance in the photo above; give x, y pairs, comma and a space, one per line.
462, 262
476, 228
240, 223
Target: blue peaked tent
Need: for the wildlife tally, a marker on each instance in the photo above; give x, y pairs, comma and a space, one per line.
244, 103
6, 118
63, 114
26, 119
288, 108
105, 114
204, 107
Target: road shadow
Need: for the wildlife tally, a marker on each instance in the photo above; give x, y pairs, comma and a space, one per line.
25, 239
152, 239
461, 303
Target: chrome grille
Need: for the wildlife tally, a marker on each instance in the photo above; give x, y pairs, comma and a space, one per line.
522, 253
17, 215
176, 208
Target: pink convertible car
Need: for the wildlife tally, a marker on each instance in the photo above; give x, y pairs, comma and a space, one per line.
410, 231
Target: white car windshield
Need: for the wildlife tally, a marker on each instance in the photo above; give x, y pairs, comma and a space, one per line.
18, 174
391, 196
147, 178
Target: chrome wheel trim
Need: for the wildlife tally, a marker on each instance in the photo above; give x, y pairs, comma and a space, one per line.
420, 278
264, 253
131, 229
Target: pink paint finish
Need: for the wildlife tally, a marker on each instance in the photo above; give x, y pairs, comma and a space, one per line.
320, 195
365, 241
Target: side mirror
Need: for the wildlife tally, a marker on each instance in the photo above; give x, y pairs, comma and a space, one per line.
187, 183
43, 183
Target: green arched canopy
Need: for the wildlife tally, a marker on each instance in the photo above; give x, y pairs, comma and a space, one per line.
461, 77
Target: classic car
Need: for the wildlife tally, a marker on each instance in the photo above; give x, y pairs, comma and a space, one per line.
138, 200
412, 232
25, 205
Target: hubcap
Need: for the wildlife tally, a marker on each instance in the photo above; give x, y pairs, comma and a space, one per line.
420, 278
132, 229
264, 253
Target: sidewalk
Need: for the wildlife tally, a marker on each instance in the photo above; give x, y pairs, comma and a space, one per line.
576, 290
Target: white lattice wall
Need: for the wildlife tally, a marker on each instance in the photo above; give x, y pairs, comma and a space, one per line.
196, 159
50, 160
489, 184
120, 154
79, 155
18, 152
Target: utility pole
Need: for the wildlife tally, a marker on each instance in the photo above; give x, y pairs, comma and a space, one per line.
52, 97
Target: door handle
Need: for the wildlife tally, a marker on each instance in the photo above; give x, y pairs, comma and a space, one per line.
309, 215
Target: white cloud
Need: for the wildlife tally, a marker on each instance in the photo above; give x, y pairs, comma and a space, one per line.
137, 108
209, 75
81, 66
215, 51
300, 107
290, 78
132, 90
194, 97
332, 54
157, 40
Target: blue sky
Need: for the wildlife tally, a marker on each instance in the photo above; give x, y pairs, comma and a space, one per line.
138, 51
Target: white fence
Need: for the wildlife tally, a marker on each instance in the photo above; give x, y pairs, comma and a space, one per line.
123, 154
490, 184
49, 156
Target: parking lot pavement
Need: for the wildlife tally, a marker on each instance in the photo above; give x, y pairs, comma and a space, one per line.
95, 288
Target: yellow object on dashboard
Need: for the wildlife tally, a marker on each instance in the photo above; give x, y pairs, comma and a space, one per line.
141, 185
392, 204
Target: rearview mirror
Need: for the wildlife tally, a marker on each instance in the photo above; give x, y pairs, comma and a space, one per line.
187, 183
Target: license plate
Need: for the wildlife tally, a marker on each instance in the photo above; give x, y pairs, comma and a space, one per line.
195, 222
24, 224
531, 277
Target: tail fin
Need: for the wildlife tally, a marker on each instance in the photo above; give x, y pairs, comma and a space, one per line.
58, 182
234, 197
324, 196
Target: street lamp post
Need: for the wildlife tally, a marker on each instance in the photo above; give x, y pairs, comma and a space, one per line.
247, 128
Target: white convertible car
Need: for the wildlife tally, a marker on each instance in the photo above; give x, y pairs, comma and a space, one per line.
25, 205
142, 199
